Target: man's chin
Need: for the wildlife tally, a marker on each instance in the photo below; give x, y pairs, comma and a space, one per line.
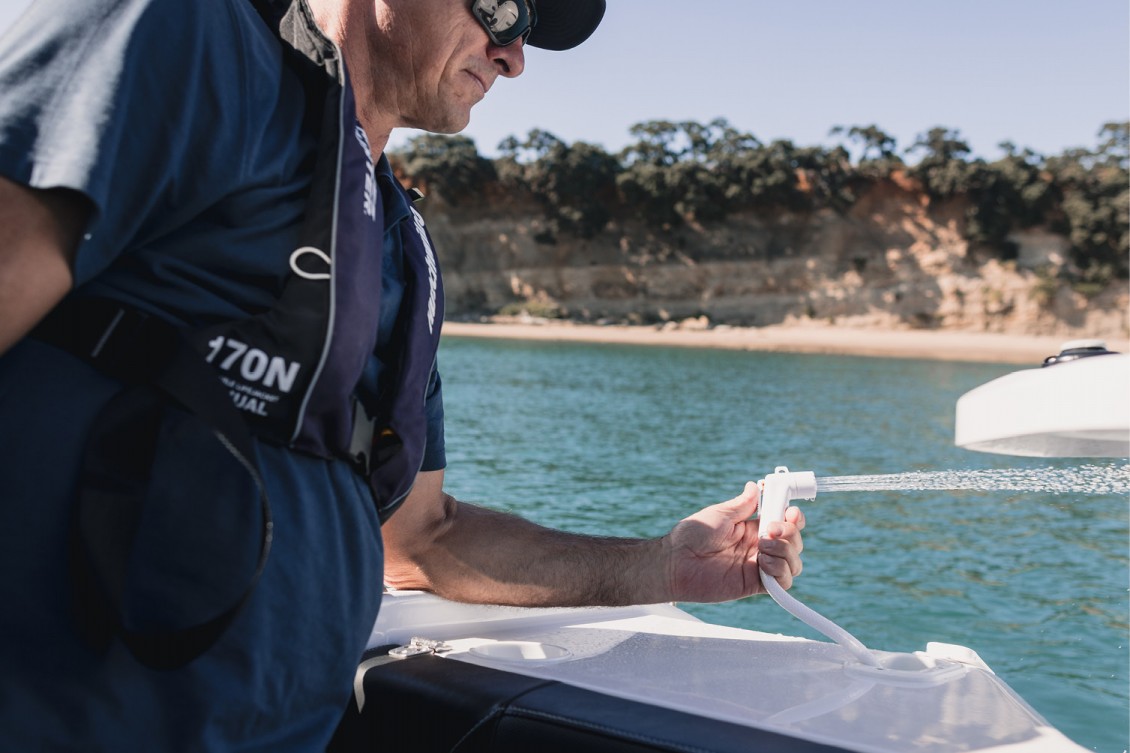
446, 127
460, 122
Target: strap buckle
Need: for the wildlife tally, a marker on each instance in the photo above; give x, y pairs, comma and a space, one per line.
361, 440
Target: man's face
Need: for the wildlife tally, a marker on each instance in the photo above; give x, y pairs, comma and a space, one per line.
436, 62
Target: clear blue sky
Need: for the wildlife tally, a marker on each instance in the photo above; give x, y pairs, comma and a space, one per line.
1044, 74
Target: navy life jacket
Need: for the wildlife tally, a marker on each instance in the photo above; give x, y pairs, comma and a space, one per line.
292, 370
287, 376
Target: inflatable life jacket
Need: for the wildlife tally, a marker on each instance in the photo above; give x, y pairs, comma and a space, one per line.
287, 376
292, 370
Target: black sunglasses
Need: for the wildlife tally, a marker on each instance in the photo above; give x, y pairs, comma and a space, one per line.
505, 20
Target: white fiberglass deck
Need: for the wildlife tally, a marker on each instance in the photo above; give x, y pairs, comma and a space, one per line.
941, 699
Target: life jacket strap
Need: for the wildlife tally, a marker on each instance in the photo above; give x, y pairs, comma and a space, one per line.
361, 441
120, 341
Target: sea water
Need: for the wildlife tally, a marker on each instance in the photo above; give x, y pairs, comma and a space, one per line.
909, 540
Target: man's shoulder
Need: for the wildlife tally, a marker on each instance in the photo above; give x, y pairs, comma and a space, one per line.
234, 24
158, 33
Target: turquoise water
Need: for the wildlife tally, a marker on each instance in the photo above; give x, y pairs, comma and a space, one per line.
618, 440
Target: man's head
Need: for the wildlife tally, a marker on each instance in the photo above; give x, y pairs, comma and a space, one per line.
425, 63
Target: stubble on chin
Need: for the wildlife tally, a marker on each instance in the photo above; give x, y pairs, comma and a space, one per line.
452, 113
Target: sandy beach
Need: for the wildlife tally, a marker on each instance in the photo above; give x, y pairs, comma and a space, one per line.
985, 347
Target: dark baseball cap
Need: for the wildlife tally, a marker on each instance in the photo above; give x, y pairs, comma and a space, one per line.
564, 24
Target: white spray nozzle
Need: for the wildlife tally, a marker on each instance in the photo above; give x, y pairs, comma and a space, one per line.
778, 489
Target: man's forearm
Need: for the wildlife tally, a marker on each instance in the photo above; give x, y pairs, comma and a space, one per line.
41, 231
482, 555
470, 553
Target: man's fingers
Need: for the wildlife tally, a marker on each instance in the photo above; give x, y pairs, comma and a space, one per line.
777, 568
742, 506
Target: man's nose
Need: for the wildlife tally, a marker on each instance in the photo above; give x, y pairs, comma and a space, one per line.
511, 58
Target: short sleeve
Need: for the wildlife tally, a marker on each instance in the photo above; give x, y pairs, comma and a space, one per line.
435, 453
137, 104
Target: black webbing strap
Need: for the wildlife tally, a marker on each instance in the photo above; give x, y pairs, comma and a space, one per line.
157, 365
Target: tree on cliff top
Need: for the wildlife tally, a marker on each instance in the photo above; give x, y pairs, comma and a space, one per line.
677, 171
1095, 188
686, 170
575, 184
451, 165
878, 156
943, 169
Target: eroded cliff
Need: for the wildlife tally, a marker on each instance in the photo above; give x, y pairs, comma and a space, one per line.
894, 260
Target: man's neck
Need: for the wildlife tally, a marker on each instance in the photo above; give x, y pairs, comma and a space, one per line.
345, 23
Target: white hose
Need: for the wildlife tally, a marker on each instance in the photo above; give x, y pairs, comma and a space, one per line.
817, 621
778, 489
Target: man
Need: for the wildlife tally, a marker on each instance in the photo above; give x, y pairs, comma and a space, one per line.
193, 190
